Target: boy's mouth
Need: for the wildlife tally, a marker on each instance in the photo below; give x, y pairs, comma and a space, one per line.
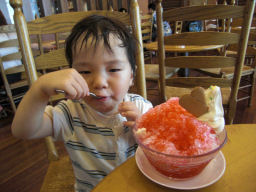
99, 97
102, 98
95, 96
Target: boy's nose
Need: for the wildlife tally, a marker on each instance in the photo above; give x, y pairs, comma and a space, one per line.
99, 81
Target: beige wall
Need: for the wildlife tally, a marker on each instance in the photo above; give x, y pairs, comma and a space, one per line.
143, 4
211, 1
196, 2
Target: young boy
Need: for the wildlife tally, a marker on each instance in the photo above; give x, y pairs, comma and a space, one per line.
96, 131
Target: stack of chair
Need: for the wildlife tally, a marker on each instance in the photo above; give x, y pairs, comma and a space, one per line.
177, 27
178, 86
14, 82
246, 87
146, 30
59, 176
152, 70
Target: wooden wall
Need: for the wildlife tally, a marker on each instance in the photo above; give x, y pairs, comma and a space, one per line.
48, 7
169, 4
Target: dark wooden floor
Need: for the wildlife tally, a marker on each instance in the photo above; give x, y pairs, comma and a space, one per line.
23, 164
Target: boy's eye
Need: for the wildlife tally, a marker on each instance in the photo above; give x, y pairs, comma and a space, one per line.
114, 70
84, 72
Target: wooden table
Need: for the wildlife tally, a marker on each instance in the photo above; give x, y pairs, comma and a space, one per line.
182, 48
240, 174
186, 49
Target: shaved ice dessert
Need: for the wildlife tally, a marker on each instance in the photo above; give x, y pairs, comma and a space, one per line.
176, 142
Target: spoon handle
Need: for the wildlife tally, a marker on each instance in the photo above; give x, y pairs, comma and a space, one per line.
61, 91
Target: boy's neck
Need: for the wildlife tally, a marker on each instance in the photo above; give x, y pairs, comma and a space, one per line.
108, 114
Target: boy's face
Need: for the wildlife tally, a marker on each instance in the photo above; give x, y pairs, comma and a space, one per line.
108, 74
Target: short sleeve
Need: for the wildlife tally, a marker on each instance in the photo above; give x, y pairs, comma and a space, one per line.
145, 106
58, 121
142, 104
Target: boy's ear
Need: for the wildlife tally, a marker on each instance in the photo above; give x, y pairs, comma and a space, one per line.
131, 83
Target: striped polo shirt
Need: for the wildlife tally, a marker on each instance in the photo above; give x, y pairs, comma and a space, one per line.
96, 143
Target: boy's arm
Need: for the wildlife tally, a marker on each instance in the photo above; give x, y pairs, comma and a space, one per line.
30, 120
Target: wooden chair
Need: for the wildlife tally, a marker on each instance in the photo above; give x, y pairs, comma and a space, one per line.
177, 27
246, 87
180, 85
146, 30
247, 83
13, 59
151, 70
59, 173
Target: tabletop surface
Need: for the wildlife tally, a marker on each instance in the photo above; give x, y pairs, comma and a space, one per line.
240, 173
181, 48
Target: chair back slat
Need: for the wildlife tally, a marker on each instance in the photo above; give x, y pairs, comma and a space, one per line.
7, 28
146, 24
146, 31
9, 43
194, 82
65, 21
17, 69
194, 62
51, 60
204, 12
250, 51
12, 56
195, 38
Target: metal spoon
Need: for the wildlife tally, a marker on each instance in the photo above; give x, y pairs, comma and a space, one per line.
91, 94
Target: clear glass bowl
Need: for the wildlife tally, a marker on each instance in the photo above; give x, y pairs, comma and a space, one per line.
180, 167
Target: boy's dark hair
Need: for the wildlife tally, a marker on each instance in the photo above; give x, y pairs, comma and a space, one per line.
152, 6
100, 28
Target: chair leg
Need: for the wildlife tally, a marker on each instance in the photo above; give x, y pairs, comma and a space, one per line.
231, 112
3, 113
13, 105
252, 89
9, 94
151, 57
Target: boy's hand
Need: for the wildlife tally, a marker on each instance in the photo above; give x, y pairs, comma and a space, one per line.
130, 111
68, 80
